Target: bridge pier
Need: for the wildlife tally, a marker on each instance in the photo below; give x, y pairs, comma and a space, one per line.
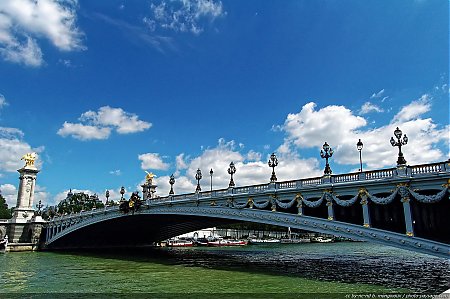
24, 228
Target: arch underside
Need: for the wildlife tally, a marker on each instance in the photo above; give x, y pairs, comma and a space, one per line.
115, 229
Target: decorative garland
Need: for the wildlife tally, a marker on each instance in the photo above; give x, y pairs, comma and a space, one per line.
343, 203
383, 200
428, 198
262, 204
313, 204
239, 205
329, 196
285, 205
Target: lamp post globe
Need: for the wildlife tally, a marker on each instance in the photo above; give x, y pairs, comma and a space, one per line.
211, 172
273, 162
399, 143
359, 146
122, 192
198, 177
107, 197
326, 152
231, 171
171, 182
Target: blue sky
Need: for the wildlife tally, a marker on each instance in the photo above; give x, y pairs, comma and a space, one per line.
103, 90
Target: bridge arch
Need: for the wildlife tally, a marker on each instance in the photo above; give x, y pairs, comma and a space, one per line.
153, 225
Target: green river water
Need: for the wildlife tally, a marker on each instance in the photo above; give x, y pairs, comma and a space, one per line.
338, 269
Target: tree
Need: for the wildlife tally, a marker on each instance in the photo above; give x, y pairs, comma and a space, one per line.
5, 213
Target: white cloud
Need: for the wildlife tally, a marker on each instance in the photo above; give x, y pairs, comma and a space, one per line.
341, 129
22, 21
27, 53
368, 107
253, 156
311, 128
3, 101
183, 15
248, 171
115, 172
413, 110
122, 121
181, 164
377, 94
13, 148
98, 125
9, 192
152, 161
84, 132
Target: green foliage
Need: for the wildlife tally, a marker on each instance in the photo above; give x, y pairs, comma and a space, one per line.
73, 204
5, 213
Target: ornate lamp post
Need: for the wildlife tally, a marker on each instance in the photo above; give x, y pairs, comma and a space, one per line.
171, 182
122, 192
326, 153
198, 177
273, 162
107, 197
359, 146
231, 171
398, 134
39, 207
211, 172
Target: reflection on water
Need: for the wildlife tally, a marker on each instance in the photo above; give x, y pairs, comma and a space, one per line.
343, 262
333, 267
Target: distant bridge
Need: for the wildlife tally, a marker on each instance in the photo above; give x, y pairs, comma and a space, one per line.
405, 207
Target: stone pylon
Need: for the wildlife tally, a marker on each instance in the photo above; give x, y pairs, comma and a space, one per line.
24, 211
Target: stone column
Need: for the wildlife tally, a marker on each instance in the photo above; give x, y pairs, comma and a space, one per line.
25, 197
21, 222
366, 213
299, 204
330, 210
408, 217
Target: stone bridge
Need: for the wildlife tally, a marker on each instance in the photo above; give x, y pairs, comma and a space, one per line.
406, 207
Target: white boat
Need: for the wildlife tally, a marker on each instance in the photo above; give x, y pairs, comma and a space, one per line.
256, 241
4, 244
179, 243
322, 240
225, 242
295, 240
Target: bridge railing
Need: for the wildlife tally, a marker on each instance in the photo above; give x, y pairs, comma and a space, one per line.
427, 168
369, 175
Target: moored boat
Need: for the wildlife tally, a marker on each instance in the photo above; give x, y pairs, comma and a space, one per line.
225, 242
295, 241
256, 241
179, 243
322, 240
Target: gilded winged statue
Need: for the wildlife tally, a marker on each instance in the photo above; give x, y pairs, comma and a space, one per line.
29, 159
149, 177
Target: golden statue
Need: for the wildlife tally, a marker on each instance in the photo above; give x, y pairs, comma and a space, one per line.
29, 159
149, 177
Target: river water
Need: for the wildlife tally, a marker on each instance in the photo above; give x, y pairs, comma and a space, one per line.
334, 268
